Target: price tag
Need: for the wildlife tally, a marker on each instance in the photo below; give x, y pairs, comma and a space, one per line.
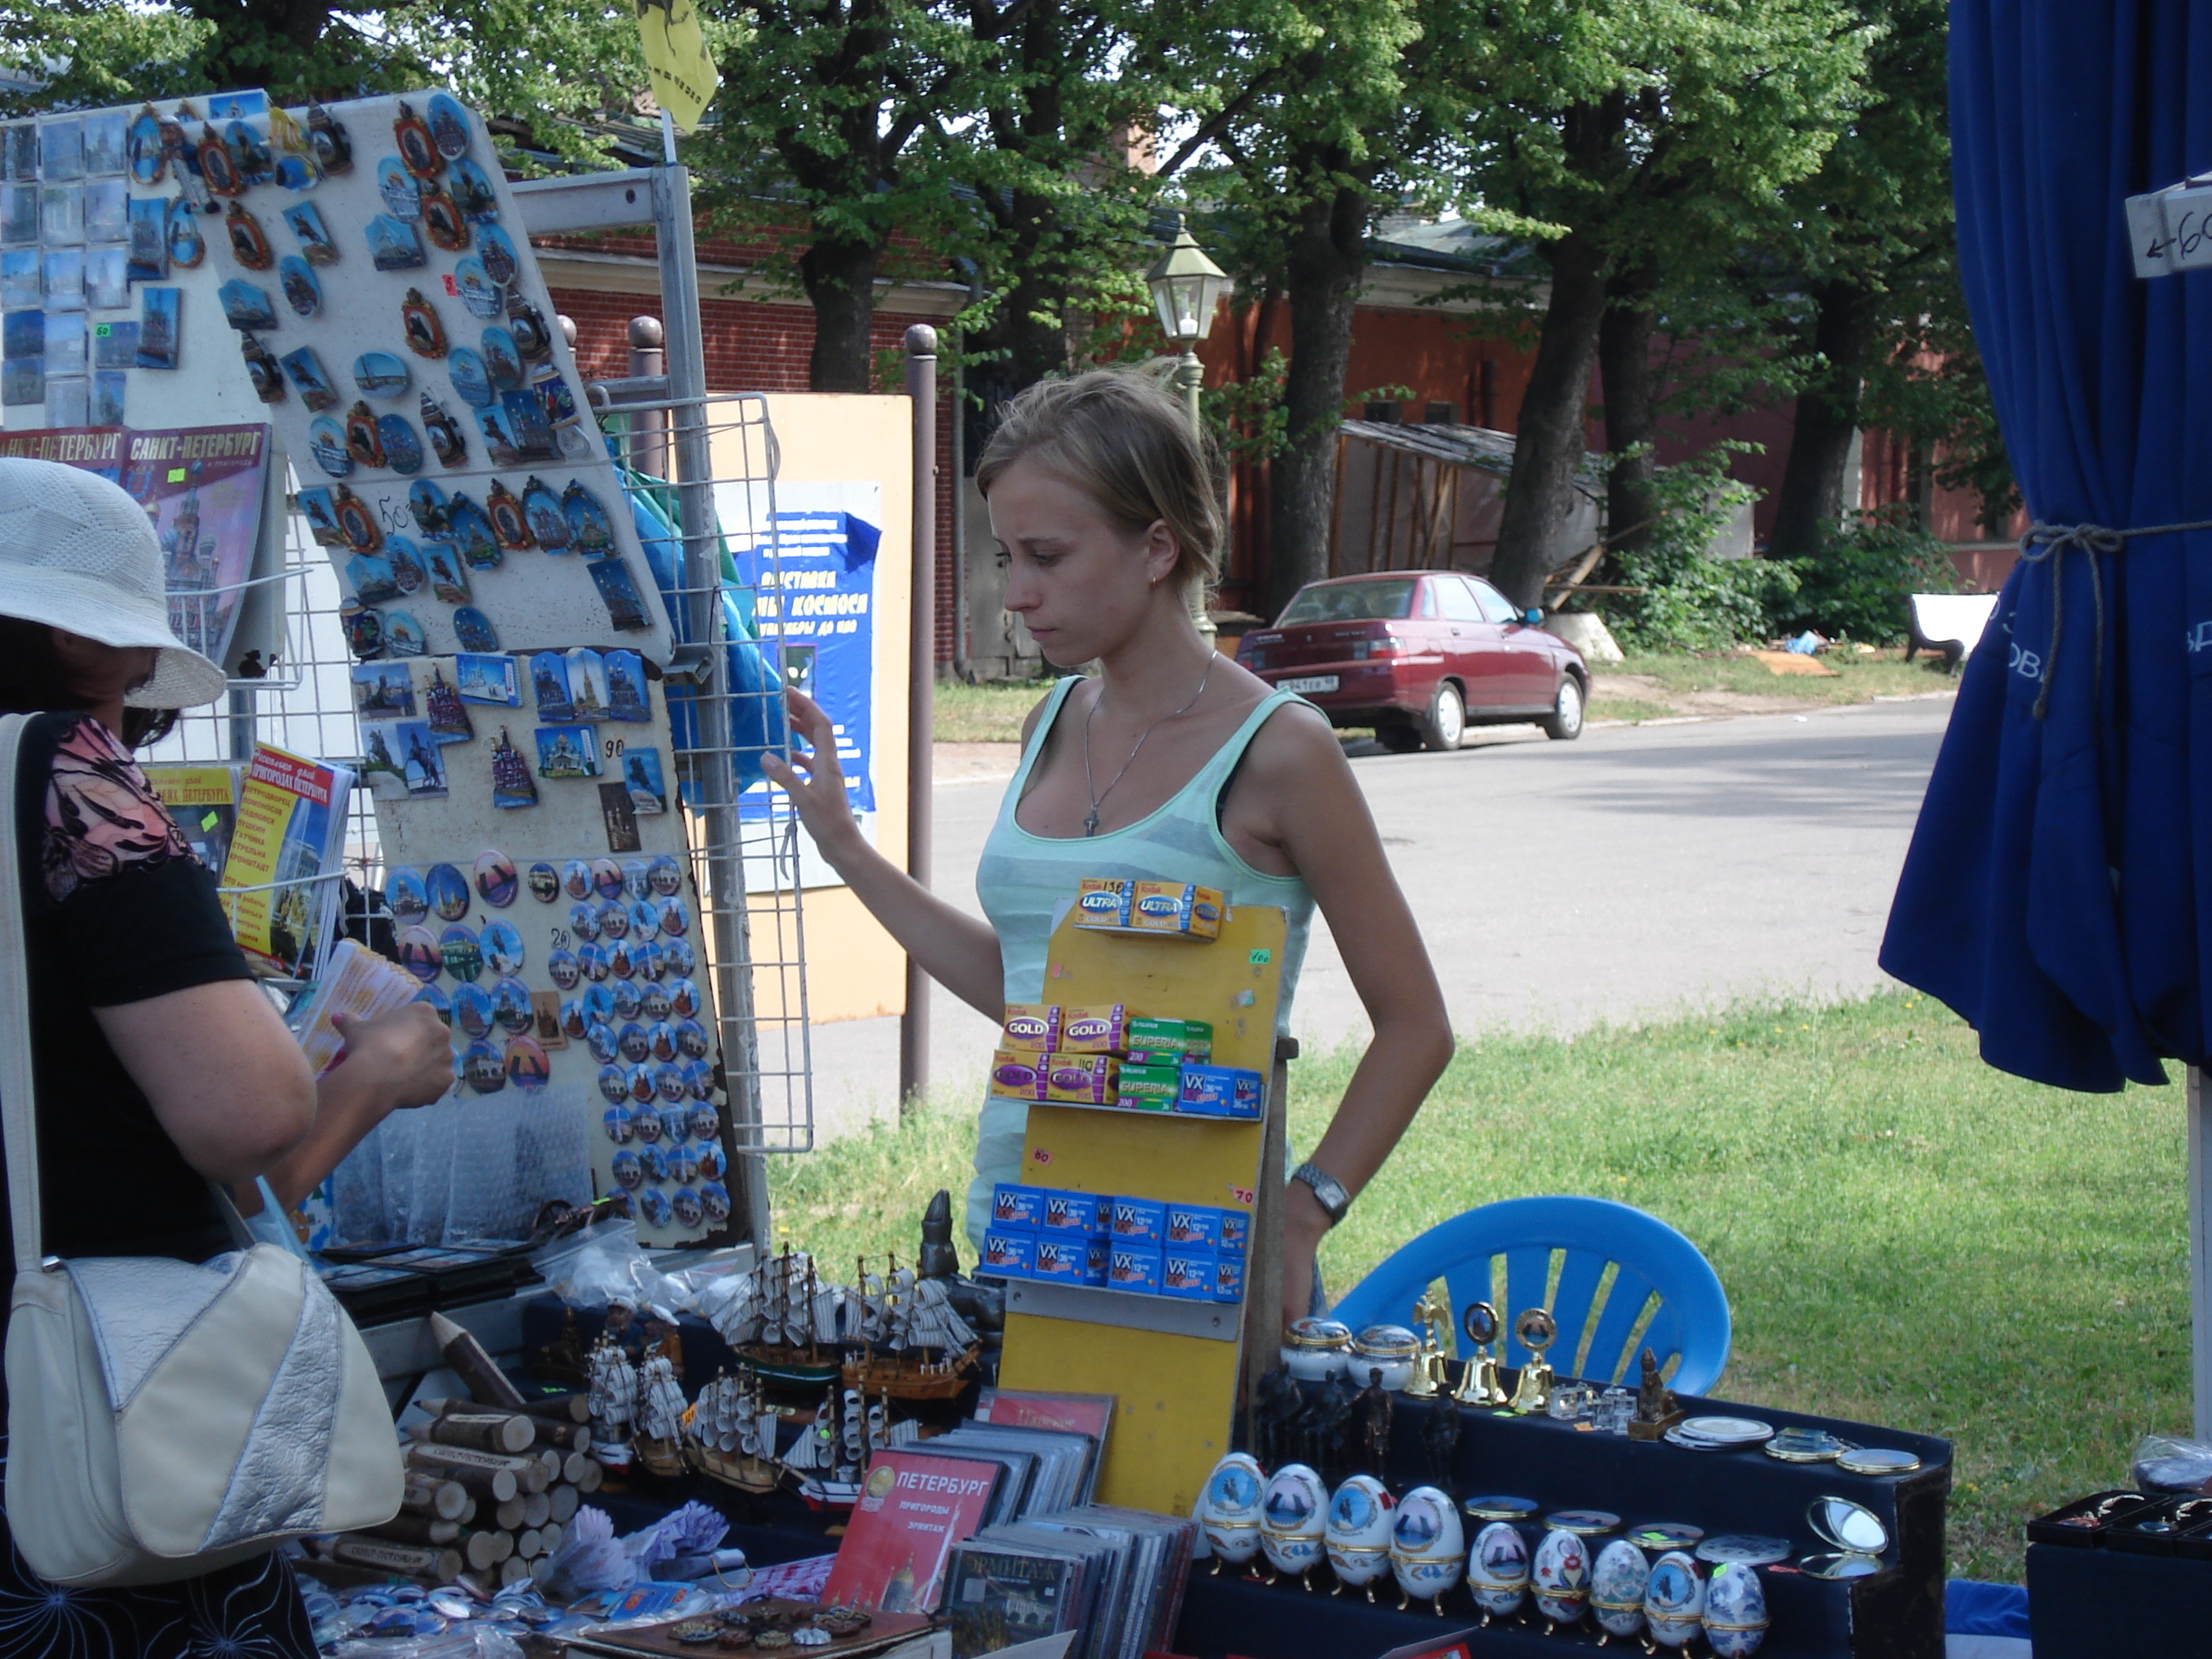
2147, 236
1042, 1155
2187, 210
1242, 1194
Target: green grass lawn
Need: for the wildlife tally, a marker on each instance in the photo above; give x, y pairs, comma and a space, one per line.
1907, 1236
991, 711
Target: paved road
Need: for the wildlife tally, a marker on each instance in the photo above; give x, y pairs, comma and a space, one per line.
1639, 870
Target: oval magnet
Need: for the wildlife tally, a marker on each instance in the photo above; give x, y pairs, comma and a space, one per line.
640, 1090
645, 961
481, 1069
614, 920
449, 892
497, 254
472, 1010
654, 1208
617, 1116
716, 1199
600, 1040
327, 443
479, 293
510, 1006
543, 882
698, 1081
528, 1068
438, 1003
404, 893
627, 1174
665, 877
471, 379
404, 635
678, 952
599, 1005
629, 1002
382, 374
591, 958
449, 125
576, 878
503, 947
683, 996
704, 1122
634, 878
462, 952
652, 1001
495, 880
473, 630
562, 968
675, 917
692, 1038
688, 1210
607, 878
401, 191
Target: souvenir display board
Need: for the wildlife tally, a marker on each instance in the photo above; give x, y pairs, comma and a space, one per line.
537, 875
1177, 1392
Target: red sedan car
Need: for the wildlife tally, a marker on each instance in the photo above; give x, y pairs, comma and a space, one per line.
1419, 656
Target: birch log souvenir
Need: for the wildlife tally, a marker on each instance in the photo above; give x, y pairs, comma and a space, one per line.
473, 1365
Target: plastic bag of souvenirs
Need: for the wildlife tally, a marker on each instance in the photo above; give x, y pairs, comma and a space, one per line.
601, 1265
2164, 1463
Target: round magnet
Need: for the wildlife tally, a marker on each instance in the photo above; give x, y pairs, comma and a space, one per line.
614, 920
496, 879
684, 997
572, 1018
678, 952
675, 917
528, 1068
616, 1117
473, 630
634, 878
479, 293
592, 959
716, 1198
449, 892
712, 1164
599, 1038
503, 947
599, 1006
640, 1090
630, 1002
626, 1171
481, 1069
500, 263
471, 379
699, 1082
622, 958
644, 917
653, 1204
646, 962
705, 1123
419, 954
562, 968
472, 1010
404, 893
543, 882
634, 1042
510, 1005
584, 920
690, 1212
462, 951
439, 1003
663, 1039
653, 1002
664, 876
403, 450
403, 634
691, 1039
614, 1089
674, 1122
406, 563
449, 125
576, 879
607, 878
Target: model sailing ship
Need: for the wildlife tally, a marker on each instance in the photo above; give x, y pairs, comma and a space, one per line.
929, 1352
661, 1407
612, 1397
733, 1433
779, 1319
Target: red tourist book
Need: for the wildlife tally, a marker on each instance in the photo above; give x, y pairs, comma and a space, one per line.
912, 1510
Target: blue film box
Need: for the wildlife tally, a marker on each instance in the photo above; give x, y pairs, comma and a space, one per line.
1015, 1208
1080, 1214
1133, 1268
1228, 1279
1139, 1221
1065, 1258
1236, 1231
1220, 1091
1197, 1226
1098, 1253
1187, 1274
1011, 1255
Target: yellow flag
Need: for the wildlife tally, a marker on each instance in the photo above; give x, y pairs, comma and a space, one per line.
675, 56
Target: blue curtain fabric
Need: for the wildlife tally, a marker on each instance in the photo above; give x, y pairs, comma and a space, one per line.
2052, 894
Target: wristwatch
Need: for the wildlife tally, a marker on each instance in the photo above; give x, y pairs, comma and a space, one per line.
1326, 1187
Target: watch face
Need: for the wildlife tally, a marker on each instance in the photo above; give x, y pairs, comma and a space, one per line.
1334, 1199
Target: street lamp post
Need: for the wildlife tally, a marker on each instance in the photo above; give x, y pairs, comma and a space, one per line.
1186, 288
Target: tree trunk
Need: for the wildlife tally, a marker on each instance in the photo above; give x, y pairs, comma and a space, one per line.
1624, 366
1549, 445
1845, 325
839, 276
1326, 258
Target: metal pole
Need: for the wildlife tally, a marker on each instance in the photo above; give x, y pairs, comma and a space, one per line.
921, 692
649, 427
1190, 375
2200, 1261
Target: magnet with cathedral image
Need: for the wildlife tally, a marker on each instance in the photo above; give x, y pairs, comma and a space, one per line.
418, 321
249, 244
509, 525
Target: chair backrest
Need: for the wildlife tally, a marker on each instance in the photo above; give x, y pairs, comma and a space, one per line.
1615, 1263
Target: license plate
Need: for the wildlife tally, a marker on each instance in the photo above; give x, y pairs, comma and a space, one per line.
1308, 682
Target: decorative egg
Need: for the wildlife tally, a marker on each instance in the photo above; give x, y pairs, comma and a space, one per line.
1228, 1509
1561, 1573
1617, 1582
1359, 1531
1675, 1601
1497, 1569
1427, 1544
1313, 1348
1735, 1612
1390, 1349
1293, 1517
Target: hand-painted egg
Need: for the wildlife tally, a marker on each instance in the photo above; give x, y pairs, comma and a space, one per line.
1293, 1517
1617, 1582
1359, 1531
1427, 1544
1675, 1601
1228, 1509
1497, 1569
1735, 1612
1561, 1573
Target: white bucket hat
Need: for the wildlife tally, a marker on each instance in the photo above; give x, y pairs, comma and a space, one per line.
77, 553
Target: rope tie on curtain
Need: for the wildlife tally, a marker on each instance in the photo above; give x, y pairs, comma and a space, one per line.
2053, 541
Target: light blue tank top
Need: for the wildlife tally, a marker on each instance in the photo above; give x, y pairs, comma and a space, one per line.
1025, 883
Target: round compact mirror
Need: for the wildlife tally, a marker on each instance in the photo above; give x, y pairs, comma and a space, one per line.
1839, 1566
1849, 1526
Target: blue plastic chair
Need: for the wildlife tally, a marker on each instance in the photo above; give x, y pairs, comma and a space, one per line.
1652, 1266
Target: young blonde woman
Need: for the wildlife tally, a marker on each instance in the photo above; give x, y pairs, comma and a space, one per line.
1172, 763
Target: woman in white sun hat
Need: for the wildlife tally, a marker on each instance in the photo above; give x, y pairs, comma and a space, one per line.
160, 1064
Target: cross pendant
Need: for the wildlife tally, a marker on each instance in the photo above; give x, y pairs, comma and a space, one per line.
1091, 824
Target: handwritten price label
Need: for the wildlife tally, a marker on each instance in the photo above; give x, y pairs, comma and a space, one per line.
1042, 1155
1241, 1195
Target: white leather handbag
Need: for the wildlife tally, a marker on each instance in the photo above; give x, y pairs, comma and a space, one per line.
166, 1419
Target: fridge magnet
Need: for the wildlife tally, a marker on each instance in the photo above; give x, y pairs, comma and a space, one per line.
574, 1024
576, 880
187, 247
481, 1069
562, 968
470, 531
61, 149
502, 949
449, 125
497, 254
626, 696
541, 509
646, 962
678, 952
61, 274
546, 1019
217, 170
511, 786
549, 690
449, 580
712, 1164
401, 191
403, 634
327, 443
362, 441
106, 142
621, 819
159, 323
502, 363
425, 504
627, 1174
625, 608
472, 1011
529, 430
261, 367
146, 243
107, 211
381, 691
486, 679
683, 1160
584, 923
668, 1084
380, 375
599, 1038
317, 245
333, 148
635, 1045
115, 345
318, 508
526, 326
443, 222
462, 952
106, 278
686, 1203
61, 213
498, 437
473, 191
418, 322
306, 370
392, 244
357, 525
418, 954
364, 632
592, 960
527, 1067
648, 793
418, 151
510, 997
403, 450
543, 882
442, 708
423, 769
716, 1199
497, 883
19, 214
592, 531
644, 917
654, 1208
621, 961
587, 683
471, 381
479, 293
19, 150
403, 891
297, 167
446, 441
614, 924
606, 878
567, 751
248, 245
634, 881
406, 563
705, 1124
616, 1117
691, 1043
675, 917
303, 292
369, 576
448, 890
630, 1002
20, 293
249, 156
508, 527
473, 631
245, 306
663, 1038
65, 341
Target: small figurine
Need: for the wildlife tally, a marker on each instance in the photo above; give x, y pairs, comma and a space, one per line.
1374, 1411
1657, 1408
1338, 1401
1275, 1400
1440, 1439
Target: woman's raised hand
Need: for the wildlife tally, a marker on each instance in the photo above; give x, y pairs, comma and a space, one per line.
813, 779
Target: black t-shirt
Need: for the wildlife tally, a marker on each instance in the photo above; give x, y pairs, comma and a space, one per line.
117, 910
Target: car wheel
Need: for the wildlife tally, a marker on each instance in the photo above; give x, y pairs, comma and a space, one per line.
1399, 739
1445, 723
1565, 720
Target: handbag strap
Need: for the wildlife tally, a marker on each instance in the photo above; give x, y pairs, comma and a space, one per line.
18, 1086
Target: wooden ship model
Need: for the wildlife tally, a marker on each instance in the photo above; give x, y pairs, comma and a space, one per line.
779, 1320
914, 1345
658, 1442
612, 1396
733, 1434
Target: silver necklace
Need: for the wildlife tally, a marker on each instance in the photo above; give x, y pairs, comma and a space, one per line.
1091, 822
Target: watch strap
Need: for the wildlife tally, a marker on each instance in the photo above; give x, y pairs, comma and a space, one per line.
1327, 1188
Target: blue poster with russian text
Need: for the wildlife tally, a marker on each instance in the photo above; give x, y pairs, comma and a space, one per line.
815, 607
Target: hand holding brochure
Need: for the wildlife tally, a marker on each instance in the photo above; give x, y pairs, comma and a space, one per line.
282, 881
357, 982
